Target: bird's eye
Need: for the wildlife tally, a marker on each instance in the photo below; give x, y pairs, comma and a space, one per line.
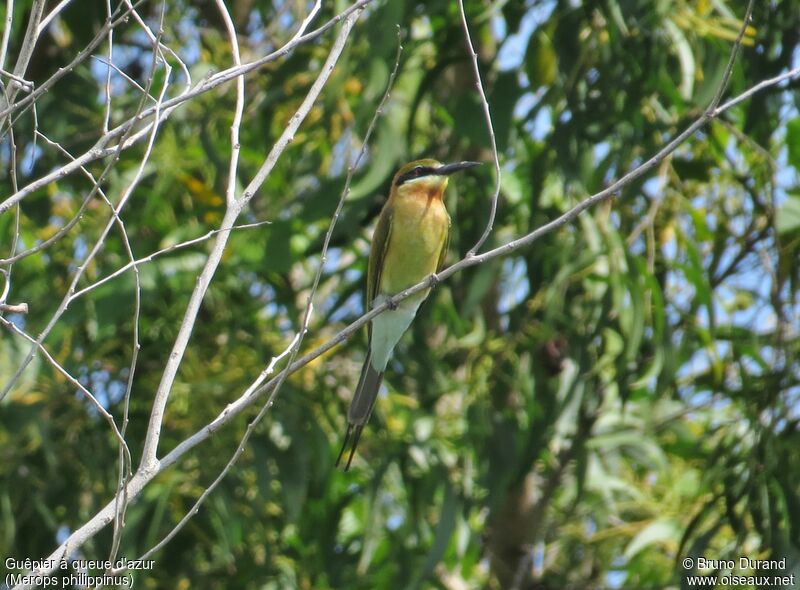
418, 170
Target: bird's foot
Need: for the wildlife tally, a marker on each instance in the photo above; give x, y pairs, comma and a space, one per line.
391, 303
433, 280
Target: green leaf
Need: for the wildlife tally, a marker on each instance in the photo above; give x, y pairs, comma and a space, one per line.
661, 532
444, 531
787, 216
541, 60
793, 142
685, 57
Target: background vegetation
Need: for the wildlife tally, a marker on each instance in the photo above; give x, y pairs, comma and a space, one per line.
583, 413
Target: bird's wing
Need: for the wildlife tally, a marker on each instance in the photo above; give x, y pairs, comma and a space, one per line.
443, 253
370, 381
380, 243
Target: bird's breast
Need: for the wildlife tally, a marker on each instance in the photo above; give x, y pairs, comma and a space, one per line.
418, 234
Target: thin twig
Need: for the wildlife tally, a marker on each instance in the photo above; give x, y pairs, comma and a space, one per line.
107, 114
72, 380
51, 15
233, 166
150, 257
726, 76
122, 74
124, 460
304, 25
7, 272
794, 73
649, 218
155, 41
9, 21
6, 285
61, 72
65, 229
487, 115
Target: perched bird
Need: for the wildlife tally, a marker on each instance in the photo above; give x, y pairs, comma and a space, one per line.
409, 244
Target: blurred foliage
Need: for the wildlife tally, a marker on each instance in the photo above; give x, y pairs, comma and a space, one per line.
582, 414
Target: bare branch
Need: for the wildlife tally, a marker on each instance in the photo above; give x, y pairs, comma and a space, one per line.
17, 214
6, 34
726, 76
233, 167
51, 15
150, 466
107, 116
764, 84
80, 58
26, 51
150, 257
149, 460
155, 41
103, 147
13, 308
294, 345
100, 242
72, 380
306, 21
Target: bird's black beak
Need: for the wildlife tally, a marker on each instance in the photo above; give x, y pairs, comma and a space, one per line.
449, 169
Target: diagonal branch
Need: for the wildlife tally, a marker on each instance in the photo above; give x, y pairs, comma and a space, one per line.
293, 347
25, 52
150, 466
149, 460
235, 408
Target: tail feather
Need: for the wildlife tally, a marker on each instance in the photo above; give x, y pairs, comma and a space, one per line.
360, 408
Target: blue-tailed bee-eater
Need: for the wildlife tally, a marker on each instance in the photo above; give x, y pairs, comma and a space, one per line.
409, 244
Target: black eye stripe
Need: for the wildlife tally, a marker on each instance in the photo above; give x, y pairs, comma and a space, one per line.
416, 172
